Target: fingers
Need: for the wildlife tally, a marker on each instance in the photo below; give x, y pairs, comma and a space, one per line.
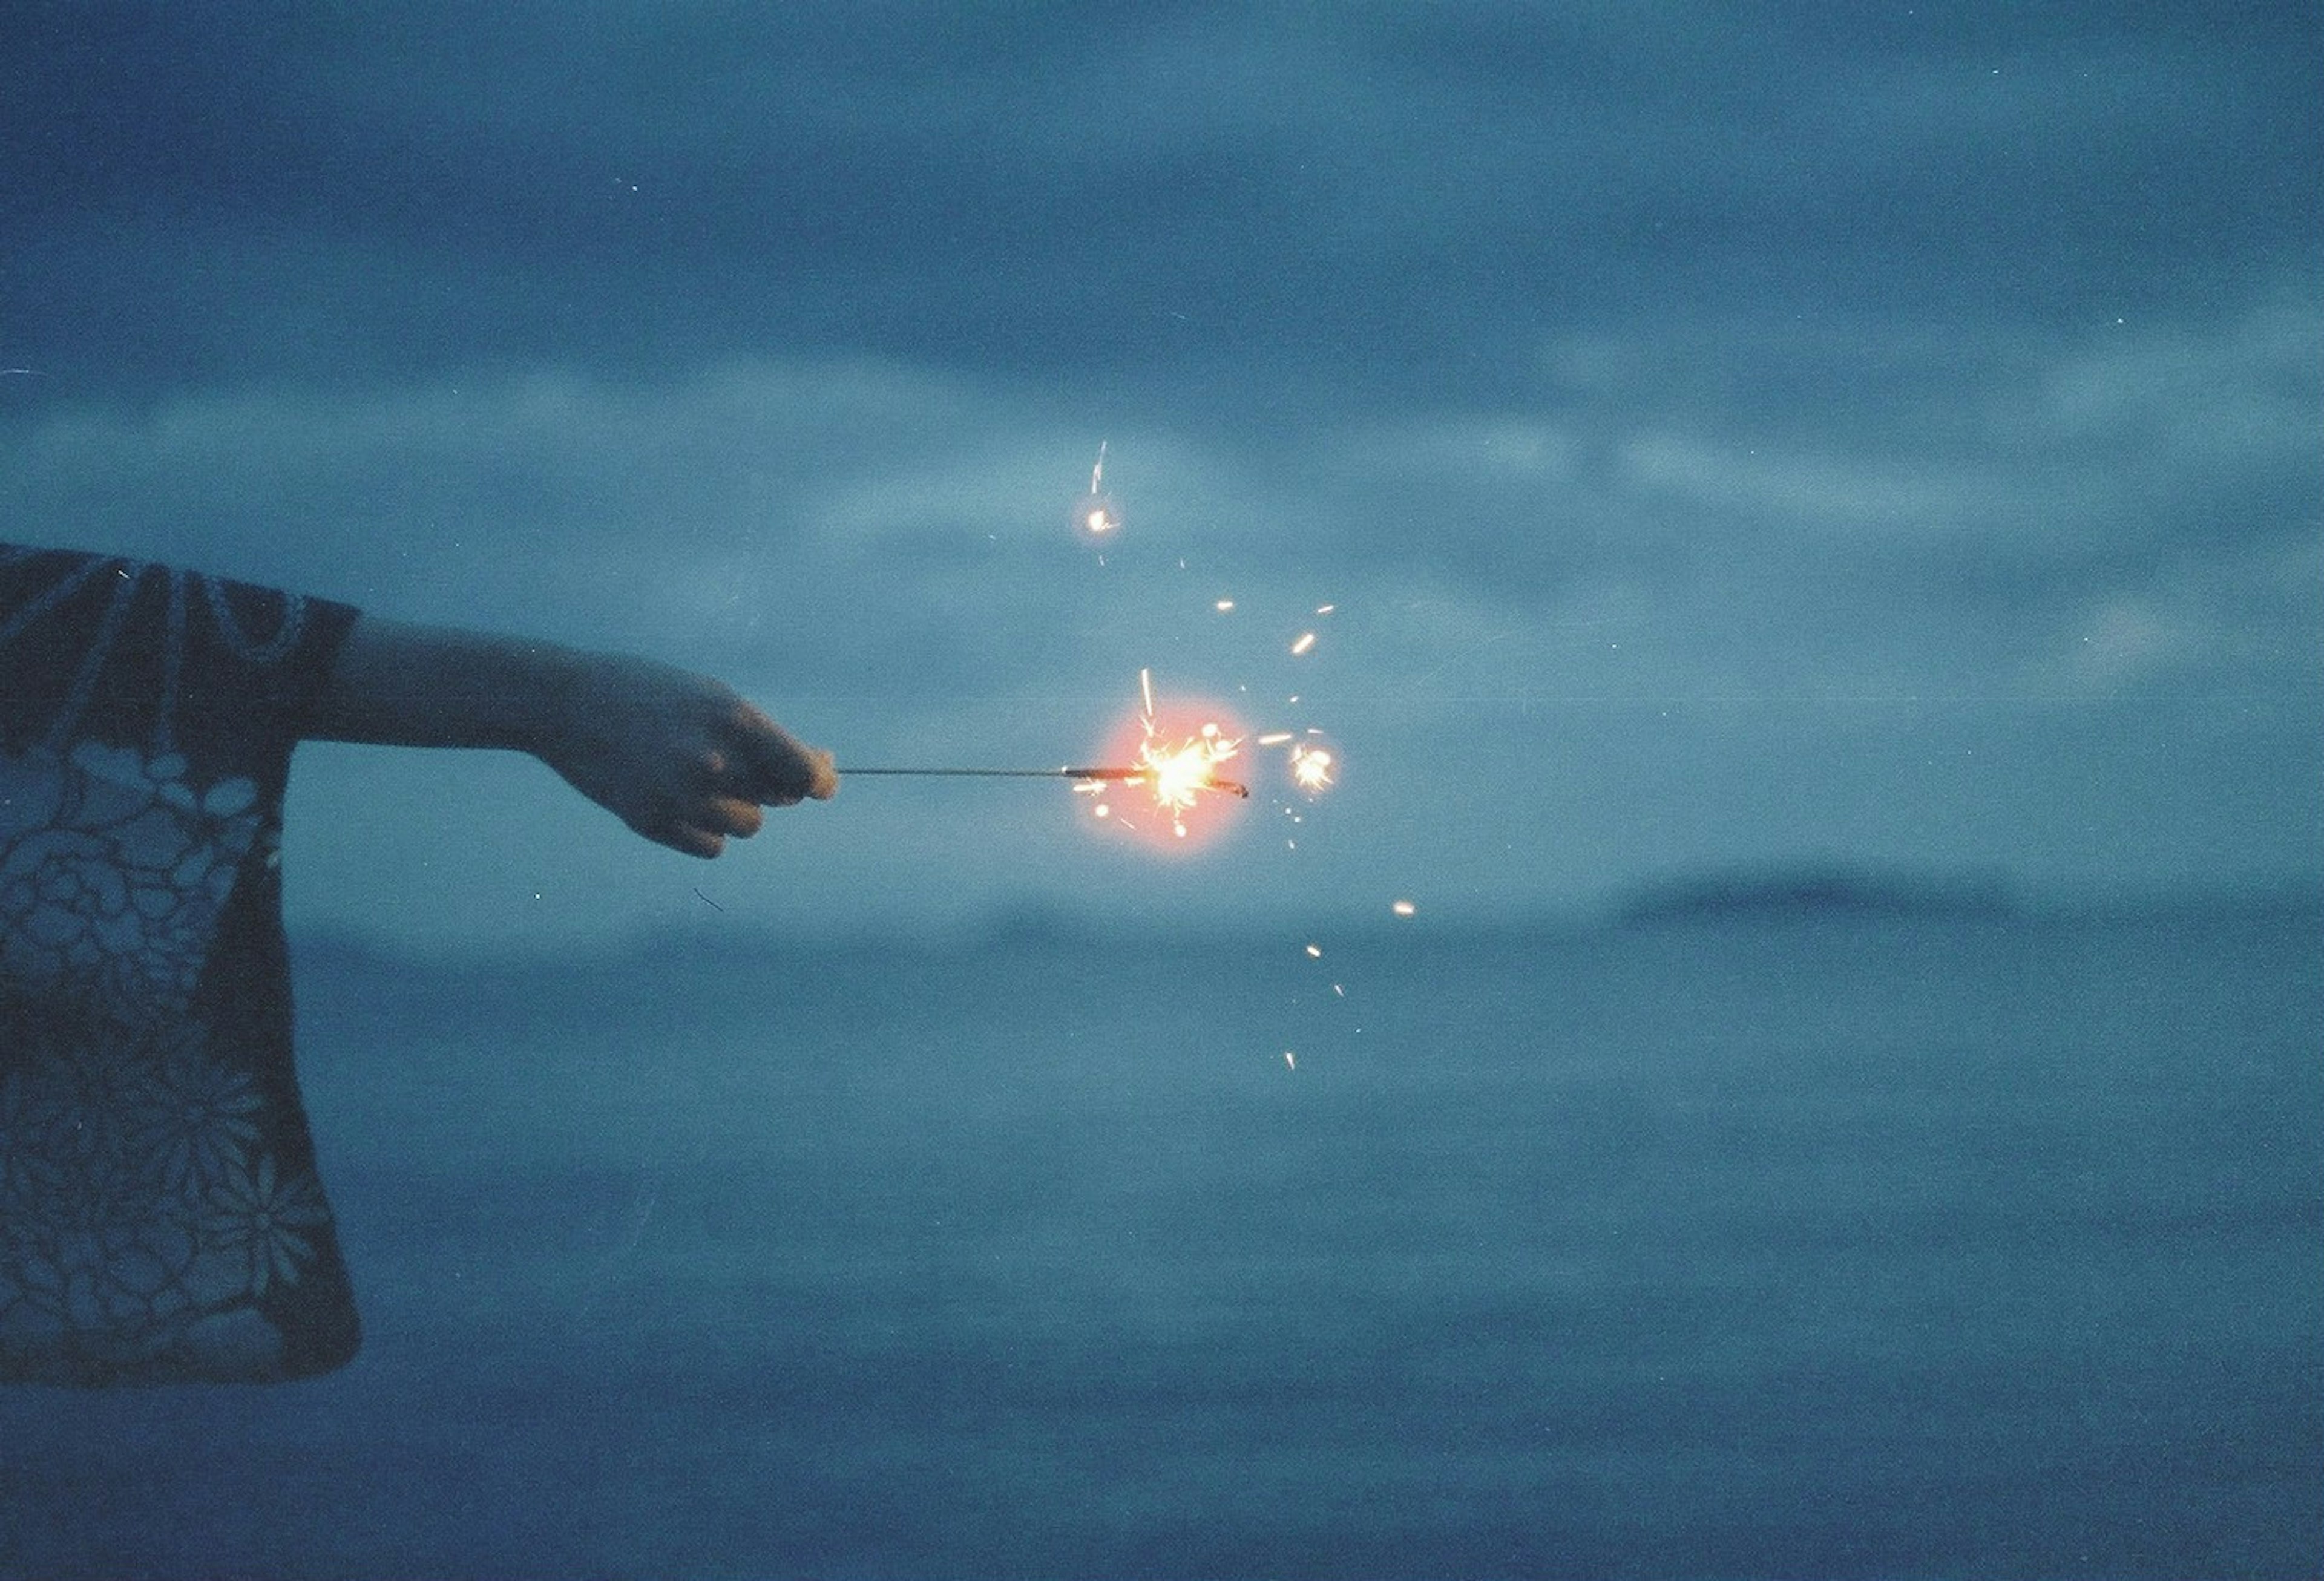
701, 827
732, 815
693, 843
774, 766
823, 777
704, 828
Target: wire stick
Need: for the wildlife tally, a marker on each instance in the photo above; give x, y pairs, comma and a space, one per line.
1229, 786
1004, 773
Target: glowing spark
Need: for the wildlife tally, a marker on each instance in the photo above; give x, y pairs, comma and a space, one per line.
1314, 953
1306, 640
1290, 1060
1326, 608
1403, 908
1224, 605
1311, 769
1177, 772
1094, 513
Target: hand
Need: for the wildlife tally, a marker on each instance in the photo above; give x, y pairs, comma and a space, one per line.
680, 758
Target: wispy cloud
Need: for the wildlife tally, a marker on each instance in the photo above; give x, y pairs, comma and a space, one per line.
896, 499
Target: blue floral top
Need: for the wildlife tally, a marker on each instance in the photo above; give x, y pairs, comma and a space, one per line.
161, 1217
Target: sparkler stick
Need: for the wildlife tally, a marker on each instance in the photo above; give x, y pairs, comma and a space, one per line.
1130, 776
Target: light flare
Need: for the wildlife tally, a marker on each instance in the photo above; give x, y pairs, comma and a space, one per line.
1311, 767
1095, 515
1182, 773
1178, 767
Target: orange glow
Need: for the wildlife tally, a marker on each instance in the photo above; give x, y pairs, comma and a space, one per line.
1182, 795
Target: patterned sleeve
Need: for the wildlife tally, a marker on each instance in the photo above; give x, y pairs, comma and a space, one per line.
162, 1219
133, 654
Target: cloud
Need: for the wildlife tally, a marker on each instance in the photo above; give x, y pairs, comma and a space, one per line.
1361, 201
860, 517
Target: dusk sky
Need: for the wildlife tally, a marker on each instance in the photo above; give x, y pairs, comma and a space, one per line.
1726, 435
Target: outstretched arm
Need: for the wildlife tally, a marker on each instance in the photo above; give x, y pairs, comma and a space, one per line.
680, 758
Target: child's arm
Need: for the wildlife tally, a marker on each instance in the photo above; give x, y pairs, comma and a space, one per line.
680, 758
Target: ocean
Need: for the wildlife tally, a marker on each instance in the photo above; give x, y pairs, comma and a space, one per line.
1776, 1243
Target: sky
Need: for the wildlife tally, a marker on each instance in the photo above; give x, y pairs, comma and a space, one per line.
1725, 435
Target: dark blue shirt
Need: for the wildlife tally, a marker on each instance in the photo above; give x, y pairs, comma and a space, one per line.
161, 1216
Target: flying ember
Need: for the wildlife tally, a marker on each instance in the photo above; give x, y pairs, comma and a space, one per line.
1311, 768
1095, 515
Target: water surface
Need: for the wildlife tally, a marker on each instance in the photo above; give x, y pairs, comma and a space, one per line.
1756, 1247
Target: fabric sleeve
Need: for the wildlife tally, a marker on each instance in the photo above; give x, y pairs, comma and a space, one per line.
135, 654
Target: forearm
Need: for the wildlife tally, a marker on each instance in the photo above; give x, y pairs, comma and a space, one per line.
680, 758
400, 684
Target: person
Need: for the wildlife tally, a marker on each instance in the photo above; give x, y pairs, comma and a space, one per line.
161, 1218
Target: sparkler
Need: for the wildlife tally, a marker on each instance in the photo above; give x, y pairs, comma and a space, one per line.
1086, 775
1177, 772
1177, 768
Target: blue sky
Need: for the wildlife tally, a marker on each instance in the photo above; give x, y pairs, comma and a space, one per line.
1726, 434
